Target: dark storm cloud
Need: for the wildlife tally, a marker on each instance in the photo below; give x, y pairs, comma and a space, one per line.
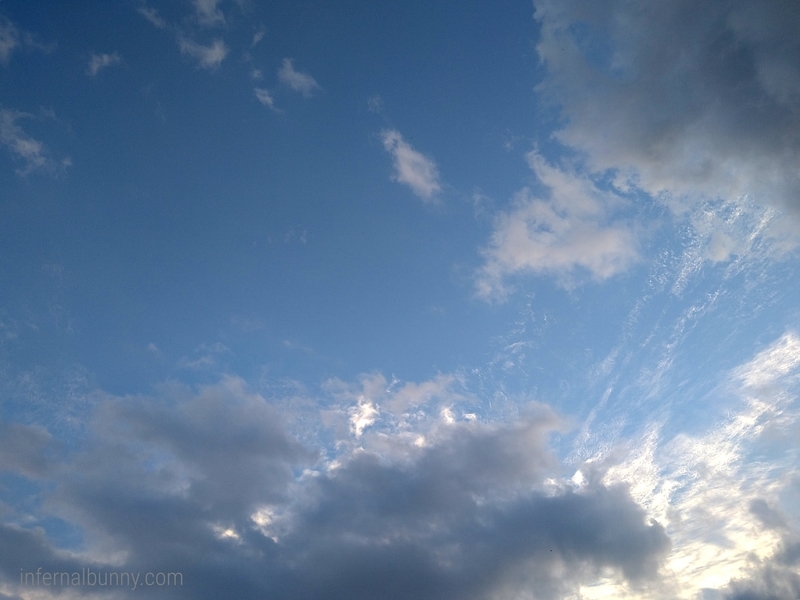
178, 483
688, 98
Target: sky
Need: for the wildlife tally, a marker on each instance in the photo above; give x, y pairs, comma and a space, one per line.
430, 300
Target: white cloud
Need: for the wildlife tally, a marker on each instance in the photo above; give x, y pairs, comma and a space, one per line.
265, 98
411, 168
571, 229
209, 57
297, 81
101, 61
685, 100
151, 14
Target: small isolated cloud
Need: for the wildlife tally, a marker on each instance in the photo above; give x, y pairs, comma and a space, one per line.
375, 104
297, 81
151, 14
265, 98
101, 61
208, 13
24, 148
570, 230
209, 57
411, 168
9, 39
258, 36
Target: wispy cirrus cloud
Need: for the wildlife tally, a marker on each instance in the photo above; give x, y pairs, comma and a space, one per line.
99, 62
208, 57
266, 98
300, 82
412, 168
208, 13
29, 151
572, 229
151, 14
9, 39
13, 38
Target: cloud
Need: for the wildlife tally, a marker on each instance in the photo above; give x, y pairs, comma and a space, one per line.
571, 229
297, 81
265, 98
12, 38
22, 449
9, 39
411, 168
101, 61
208, 13
151, 14
209, 484
718, 492
29, 151
209, 57
683, 100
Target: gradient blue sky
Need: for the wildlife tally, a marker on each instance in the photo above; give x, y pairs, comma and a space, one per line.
401, 300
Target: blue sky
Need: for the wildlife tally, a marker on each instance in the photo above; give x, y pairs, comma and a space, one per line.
423, 300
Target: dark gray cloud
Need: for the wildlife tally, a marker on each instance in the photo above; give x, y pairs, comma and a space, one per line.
22, 449
210, 485
685, 98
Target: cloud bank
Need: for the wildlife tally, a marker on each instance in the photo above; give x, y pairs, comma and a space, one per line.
209, 484
682, 99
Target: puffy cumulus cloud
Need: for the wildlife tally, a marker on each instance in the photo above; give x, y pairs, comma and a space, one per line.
411, 167
209, 57
684, 100
101, 61
303, 83
209, 484
571, 230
